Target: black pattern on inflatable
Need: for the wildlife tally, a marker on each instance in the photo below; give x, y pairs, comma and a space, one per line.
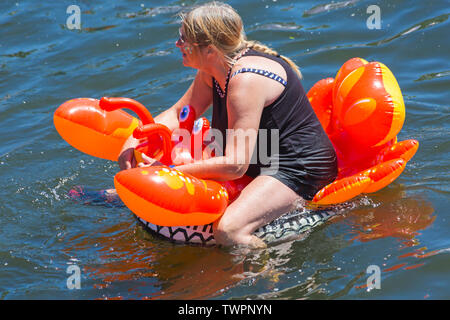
292, 225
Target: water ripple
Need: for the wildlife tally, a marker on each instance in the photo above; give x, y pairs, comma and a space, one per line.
283, 26
153, 11
19, 54
416, 27
94, 29
328, 7
433, 75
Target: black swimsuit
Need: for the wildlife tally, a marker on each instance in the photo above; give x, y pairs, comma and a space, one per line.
306, 160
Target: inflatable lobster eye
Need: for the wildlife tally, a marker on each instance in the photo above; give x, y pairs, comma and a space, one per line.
187, 117
184, 114
198, 125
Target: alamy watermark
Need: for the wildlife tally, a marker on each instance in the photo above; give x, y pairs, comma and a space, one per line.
374, 20
211, 144
74, 20
374, 280
74, 280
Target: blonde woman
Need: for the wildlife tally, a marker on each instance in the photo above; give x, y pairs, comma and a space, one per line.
251, 87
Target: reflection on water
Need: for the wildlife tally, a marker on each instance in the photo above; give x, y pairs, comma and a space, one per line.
290, 270
94, 29
125, 252
194, 273
401, 219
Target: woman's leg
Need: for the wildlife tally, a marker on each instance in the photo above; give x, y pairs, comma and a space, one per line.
261, 202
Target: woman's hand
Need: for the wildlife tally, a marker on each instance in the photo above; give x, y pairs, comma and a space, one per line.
198, 95
126, 159
147, 162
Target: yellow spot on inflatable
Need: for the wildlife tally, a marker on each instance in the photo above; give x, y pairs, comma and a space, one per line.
190, 186
176, 180
173, 181
126, 132
349, 81
204, 184
392, 88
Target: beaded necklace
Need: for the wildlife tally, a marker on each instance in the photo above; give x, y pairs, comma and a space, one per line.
221, 93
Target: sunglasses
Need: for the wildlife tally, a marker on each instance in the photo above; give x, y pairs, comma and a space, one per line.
181, 40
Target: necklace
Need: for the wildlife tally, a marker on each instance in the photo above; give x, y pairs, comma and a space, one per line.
221, 93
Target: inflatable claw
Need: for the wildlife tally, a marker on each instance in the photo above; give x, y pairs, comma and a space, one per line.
158, 194
85, 126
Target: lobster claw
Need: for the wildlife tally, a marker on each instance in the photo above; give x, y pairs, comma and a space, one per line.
156, 133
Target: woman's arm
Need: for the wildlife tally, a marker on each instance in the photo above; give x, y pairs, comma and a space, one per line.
245, 103
199, 96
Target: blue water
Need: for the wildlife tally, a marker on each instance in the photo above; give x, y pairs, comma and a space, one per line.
127, 48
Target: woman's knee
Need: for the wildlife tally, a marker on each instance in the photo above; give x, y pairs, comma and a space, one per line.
249, 212
228, 235
227, 232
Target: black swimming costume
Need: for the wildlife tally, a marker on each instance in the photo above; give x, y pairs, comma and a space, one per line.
306, 160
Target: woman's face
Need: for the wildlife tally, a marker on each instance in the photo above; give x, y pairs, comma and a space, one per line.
194, 56
187, 50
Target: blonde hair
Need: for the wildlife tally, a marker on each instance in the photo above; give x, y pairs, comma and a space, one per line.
218, 24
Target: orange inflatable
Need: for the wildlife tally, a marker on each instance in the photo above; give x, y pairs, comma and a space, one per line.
88, 128
167, 197
99, 128
361, 110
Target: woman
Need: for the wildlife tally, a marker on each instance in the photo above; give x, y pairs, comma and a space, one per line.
212, 40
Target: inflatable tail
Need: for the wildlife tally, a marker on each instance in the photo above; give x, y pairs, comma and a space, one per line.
362, 111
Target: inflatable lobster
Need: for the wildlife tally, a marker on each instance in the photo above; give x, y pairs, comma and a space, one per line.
361, 110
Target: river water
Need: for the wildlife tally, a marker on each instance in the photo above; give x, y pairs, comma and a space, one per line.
127, 48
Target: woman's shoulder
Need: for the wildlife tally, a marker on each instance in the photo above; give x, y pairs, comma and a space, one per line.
250, 82
259, 63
